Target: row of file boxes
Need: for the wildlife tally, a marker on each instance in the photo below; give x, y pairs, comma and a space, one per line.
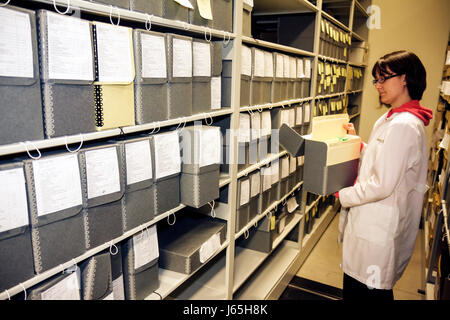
117, 76
331, 78
221, 11
334, 42
330, 106
65, 204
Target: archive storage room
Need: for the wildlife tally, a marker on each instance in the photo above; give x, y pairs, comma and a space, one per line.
224, 149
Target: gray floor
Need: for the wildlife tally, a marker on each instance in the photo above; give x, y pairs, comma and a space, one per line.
323, 265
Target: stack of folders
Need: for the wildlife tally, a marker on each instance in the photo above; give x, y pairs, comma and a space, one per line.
54, 185
103, 185
216, 72
166, 171
66, 286
179, 86
201, 148
114, 69
96, 277
137, 202
67, 74
201, 76
140, 255
190, 242
15, 233
255, 194
152, 7
20, 93
151, 76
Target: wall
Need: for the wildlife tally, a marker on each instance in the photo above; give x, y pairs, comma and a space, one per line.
415, 25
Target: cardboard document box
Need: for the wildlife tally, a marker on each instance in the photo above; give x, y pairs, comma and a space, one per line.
201, 76
166, 171
20, 91
266, 83
179, 85
117, 3
152, 7
247, 6
222, 11
246, 73
151, 76
201, 149
15, 231
96, 277
190, 242
260, 238
137, 202
54, 186
174, 10
66, 286
265, 133
255, 194
292, 77
67, 74
242, 203
103, 172
114, 69
140, 255
331, 156
278, 72
257, 77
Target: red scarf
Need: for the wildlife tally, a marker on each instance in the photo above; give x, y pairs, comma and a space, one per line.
416, 109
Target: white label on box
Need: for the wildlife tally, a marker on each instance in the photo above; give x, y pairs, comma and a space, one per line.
284, 116
268, 64
256, 125
275, 167
284, 167
167, 154
139, 161
266, 123
246, 61
202, 59
300, 69
279, 72
292, 204
245, 192
307, 63
210, 146
255, 184
204, 8
291, 117
216, 93
66, 289
182, 58
102, 170
13, 197
114, 53
244, 127
57, 183
299, 115
16, 54
292, 164
209, 247
307, 112
145, 247
266, 173
259, 63
286, 66
69, 48
292, 67
154, 64
118, 288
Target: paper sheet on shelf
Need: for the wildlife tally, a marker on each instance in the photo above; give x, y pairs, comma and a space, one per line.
245, 192
184, 3
202, 59
139, 161
182, 58
204, 8
66, 289
145, 247
210, 146
153, 56
167, 154
255, 184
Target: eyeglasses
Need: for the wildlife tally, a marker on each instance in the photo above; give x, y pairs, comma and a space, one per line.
383, 79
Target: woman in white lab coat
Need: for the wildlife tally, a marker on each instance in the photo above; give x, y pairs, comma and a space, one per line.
381, 211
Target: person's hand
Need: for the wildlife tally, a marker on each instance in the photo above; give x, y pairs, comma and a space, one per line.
350, 128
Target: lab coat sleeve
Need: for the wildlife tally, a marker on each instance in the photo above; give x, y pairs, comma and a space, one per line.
392, 161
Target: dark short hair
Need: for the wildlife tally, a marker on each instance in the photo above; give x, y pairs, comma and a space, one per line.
407, 63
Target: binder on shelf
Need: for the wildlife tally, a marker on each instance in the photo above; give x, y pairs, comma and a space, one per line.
114, 68
247, 6
137, 202
151, 76
222, 11
96, 277
67, 74
125, 4
201, 149
15, 232
20, 91
202, 13
152, 7
201, 76
190, 242
179, 85
54, 186
267, 81
258, 74
66, 286
117, 272
242, 203
140, 255
176, 10
331, 155
278, 72
166, 171
103, 172
255, 194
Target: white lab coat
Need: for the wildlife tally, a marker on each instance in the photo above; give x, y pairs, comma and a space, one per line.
385, 204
